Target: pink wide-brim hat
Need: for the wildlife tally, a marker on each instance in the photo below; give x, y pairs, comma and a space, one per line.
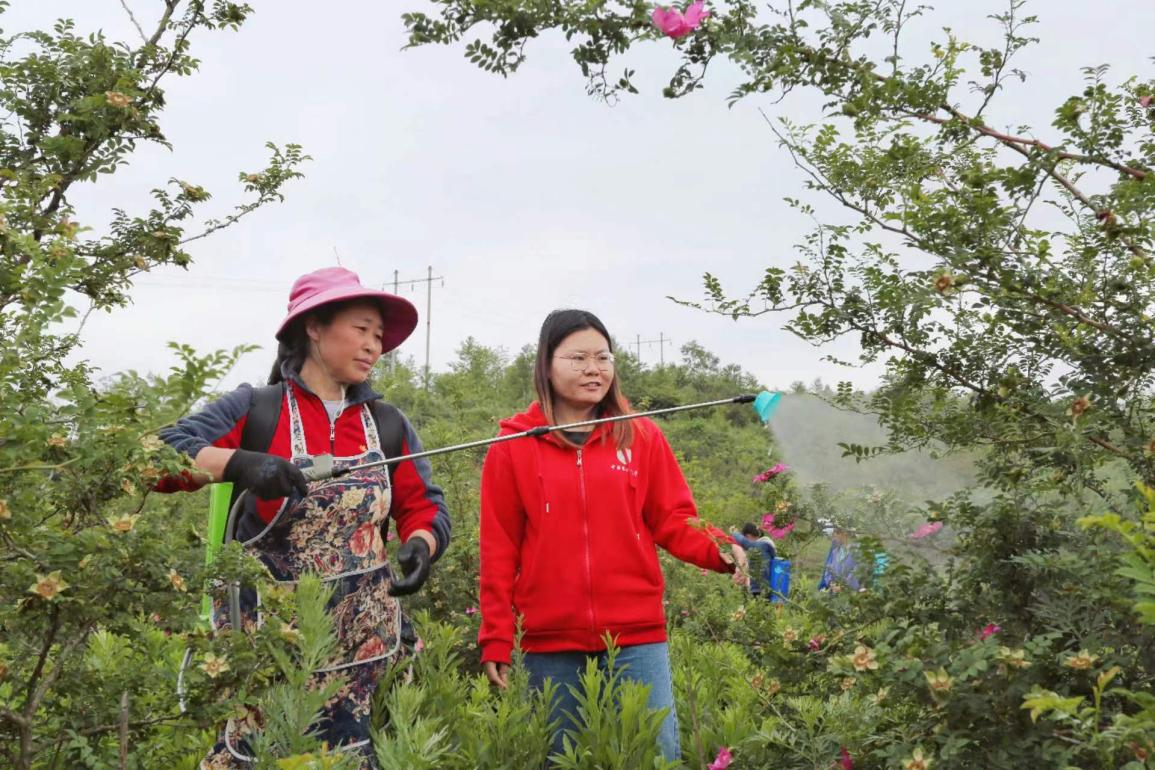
334, 284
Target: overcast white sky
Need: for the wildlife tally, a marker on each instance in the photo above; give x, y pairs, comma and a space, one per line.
524, 194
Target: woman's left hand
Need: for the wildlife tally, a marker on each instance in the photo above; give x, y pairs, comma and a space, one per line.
415, 560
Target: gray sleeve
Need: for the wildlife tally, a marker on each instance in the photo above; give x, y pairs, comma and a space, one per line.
218, 424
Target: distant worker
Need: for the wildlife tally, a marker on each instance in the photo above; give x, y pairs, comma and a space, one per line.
753, 539
841, 564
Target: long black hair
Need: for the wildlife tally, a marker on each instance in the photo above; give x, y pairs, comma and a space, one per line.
293, 347
557, 326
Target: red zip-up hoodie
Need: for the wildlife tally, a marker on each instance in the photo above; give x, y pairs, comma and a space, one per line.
568, 536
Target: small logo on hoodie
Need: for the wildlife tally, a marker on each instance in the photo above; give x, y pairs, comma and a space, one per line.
625, 456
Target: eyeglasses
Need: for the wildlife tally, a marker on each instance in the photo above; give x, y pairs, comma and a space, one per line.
579, 362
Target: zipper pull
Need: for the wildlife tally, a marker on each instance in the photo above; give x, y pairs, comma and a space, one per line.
332, 434
579, 462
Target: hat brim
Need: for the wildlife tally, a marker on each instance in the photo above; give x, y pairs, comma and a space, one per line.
397, 314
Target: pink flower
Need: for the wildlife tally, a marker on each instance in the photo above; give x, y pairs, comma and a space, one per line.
1145, 101
988, 631
674, 23
722, 761
470, 610
844, 759
815, 644
777, 533
926, 530
770, 473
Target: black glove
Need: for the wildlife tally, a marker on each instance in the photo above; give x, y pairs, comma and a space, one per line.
264, 475
415, 561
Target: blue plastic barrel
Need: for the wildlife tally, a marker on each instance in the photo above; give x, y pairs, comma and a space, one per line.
780, 580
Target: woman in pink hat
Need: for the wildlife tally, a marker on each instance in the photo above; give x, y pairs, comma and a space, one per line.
319, 402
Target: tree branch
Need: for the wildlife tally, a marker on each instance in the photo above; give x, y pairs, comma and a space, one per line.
1016, 141
914, 239
932, 360
132, 724
184, 33
162, 25
65, 652
122, 732
1023, 141
1017, 144
49, 640
13, 717
135, 23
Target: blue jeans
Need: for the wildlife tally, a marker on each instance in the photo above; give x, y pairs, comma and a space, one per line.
644, 663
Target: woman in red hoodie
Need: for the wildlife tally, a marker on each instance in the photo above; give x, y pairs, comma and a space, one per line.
569, 525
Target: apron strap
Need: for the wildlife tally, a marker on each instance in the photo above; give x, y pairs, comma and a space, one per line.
372, 436
296, 427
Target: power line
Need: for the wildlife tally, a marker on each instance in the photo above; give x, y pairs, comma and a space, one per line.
201, 282
661, 342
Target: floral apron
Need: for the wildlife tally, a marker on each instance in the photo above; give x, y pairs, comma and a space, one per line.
336, 532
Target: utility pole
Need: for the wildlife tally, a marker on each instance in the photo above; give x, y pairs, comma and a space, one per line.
393, 353
412, 283
661, 341
428, 320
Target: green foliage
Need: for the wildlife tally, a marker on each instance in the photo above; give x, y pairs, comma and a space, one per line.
1139, 562
101, 576
289, 707
413, 742
447, 715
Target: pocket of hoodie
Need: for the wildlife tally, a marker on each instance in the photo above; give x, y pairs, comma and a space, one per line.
543, 595
542, 525
647, 550
539, 520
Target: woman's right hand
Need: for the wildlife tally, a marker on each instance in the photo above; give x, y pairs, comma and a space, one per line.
741, 575
496, 673
266, 476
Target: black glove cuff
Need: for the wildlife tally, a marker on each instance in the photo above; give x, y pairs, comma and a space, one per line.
233, 467
420, 541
